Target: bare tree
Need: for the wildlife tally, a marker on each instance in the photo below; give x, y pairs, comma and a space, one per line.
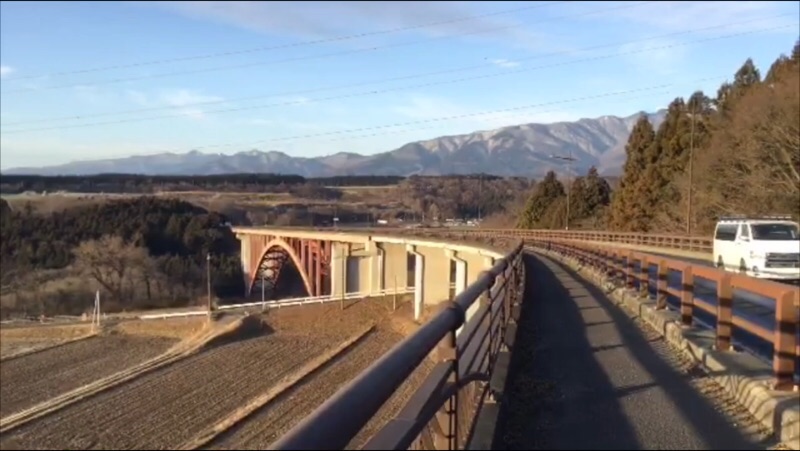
111, 262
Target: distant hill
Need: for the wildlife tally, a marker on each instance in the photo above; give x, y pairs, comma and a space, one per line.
519, 150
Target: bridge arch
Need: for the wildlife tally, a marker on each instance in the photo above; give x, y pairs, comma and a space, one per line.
290, 252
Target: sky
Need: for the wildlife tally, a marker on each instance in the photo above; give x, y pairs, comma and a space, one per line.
85, 81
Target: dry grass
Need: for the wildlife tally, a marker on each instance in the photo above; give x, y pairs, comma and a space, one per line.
179, 328
44, 332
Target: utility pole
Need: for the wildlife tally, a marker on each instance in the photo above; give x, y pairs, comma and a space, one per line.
208, 277
394, 298
263, 292
480, 195
569, 159
344, 278
691, 177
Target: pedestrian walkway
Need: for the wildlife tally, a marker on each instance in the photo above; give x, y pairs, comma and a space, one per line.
584, 375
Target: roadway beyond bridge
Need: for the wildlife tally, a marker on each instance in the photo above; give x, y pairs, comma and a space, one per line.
557, 365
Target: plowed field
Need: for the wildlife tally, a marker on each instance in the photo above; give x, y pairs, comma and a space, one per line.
32, 379
163, 409
267, 425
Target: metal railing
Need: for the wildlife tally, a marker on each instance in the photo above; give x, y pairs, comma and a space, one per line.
679, 242
279, 303
443, 411
621, 266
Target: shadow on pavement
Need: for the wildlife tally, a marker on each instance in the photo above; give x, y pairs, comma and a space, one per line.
560, 390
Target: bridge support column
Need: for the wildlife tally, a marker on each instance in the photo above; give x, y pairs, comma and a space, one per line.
461, 282
437, 275
338, 269
375, 272
461, 270
395, 266
419, 281
247, 271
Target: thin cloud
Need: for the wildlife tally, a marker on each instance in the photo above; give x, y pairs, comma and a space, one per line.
5, 71
181, 99
317, 20
662, 60
675, 15
505, 63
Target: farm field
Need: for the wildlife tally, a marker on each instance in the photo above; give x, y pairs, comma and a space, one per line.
35, 378
163, 409
275, 419
170, 406
17, 338
265, 426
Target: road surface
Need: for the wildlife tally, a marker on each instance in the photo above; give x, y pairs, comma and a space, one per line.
585, 376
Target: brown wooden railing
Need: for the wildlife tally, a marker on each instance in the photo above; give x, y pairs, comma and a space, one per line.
620, 265
442, 413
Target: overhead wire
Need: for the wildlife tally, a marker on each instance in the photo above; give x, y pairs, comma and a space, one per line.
293, 44
373, 92
303, 58
387, 80
446, 118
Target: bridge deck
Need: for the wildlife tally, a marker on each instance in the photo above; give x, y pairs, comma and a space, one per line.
585, 375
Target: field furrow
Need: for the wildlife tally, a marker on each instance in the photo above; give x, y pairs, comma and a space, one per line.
166, 408
277, 418
32, 379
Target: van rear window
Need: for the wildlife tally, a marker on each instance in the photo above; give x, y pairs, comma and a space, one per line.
726, 232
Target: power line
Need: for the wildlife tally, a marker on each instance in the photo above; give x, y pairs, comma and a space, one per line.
446, 118
386, 80
304, 58
373, 92
291, 45
346, 138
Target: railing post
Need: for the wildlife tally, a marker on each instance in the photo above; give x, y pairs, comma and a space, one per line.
630, 270
448, 416
724, 312
785, 345
661, 285
644, 277
687, 296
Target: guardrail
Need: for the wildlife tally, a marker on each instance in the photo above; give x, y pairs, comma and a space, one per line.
682, 242
443, 411
307, 300
621, 265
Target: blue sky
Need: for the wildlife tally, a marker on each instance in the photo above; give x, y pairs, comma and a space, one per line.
318, 94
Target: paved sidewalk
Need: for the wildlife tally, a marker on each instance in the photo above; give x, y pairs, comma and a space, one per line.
584, 376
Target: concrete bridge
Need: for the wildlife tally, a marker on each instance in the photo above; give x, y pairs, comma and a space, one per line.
521, 306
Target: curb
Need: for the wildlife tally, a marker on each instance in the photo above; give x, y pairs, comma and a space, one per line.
741, 375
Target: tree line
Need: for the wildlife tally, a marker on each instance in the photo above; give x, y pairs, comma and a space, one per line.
735, 153
140, 252
132, 183
552, 206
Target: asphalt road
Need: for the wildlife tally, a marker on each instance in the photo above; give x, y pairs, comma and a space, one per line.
584, 376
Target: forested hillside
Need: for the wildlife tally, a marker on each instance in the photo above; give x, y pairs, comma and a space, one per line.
737, 152
140, 252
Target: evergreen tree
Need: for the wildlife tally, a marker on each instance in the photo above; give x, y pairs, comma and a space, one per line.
547, 191
624, 204
747, 75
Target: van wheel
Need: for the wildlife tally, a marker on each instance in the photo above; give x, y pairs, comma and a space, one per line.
720, 265
742, 267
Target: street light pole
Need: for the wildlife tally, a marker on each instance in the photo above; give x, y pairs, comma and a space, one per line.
208, 277
569, 159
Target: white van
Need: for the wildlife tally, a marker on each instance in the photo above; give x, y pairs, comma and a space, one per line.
767, 248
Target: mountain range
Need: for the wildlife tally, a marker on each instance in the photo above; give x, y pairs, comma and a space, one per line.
521, 150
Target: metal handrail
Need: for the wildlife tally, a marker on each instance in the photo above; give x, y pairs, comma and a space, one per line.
337, 421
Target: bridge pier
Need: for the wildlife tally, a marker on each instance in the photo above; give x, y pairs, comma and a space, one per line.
419, 280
